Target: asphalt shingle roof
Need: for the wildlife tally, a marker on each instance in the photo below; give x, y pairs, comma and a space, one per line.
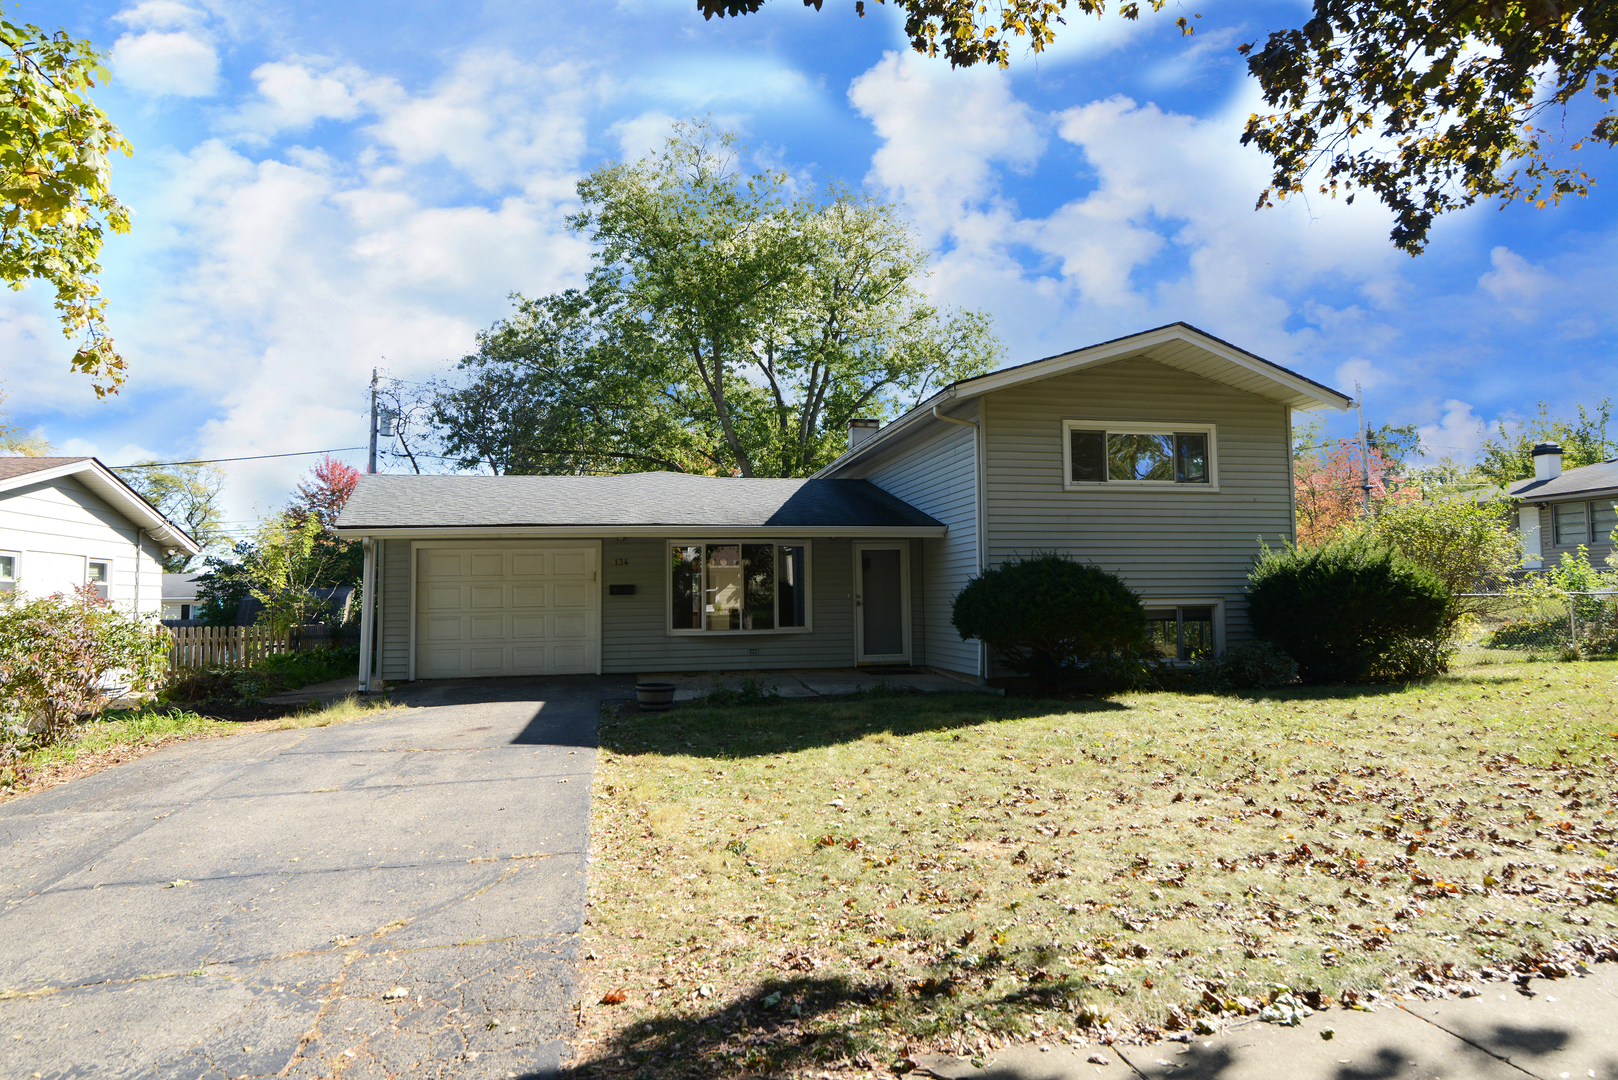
1602, 476
21, 466
636, 499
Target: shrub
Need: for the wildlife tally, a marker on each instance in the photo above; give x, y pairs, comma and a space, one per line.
63, 658
1252, 665
1344, 610
1046, 614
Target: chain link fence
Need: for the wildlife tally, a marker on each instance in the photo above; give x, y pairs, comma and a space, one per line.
1578, 622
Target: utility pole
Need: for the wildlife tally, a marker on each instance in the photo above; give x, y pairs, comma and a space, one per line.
1364, 452
371, 467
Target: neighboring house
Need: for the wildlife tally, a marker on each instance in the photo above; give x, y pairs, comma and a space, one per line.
180, 602
1165, 456
1559, 511
69, 522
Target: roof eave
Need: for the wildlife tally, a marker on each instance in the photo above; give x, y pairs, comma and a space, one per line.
597, 532
106, 484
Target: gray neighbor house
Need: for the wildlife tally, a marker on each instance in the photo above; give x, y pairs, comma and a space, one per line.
1559, 512
1164, 457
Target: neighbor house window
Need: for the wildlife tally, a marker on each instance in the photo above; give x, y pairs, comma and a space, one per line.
98, 573
1180, 633
1603, 520
1571, 527
731, 586
1138, 454
8, 572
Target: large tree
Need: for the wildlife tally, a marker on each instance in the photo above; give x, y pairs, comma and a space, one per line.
55, 185
729, 326
188, 495
1507, 456
1431, 105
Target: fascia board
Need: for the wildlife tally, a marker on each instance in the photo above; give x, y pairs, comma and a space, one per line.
105, 484
1563, 496
575, 532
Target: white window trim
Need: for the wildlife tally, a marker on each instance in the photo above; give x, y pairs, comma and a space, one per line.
16, 570
1131, 427
112, 569
668, 586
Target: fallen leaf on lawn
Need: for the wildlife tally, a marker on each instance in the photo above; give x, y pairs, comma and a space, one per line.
177, 883
614, 997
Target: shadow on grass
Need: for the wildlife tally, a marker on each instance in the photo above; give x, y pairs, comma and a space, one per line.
776, 1030
774, 727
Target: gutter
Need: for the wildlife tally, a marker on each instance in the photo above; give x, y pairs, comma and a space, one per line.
982, 510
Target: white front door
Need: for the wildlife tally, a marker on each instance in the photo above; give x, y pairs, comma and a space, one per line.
521, 610
882, 603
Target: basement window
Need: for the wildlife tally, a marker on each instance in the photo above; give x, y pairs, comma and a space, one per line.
1180, 633
737, 587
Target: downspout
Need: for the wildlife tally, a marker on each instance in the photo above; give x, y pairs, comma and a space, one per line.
977, 501
367, 578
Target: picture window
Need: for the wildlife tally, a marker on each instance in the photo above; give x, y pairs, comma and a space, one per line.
733, 586
1131, 454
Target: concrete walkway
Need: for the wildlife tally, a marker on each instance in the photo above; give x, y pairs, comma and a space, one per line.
813, 682
1567, 1030
317, 693
391, 896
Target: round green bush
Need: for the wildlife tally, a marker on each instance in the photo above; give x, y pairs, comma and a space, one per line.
1252, 665
1346, 611
1046, 614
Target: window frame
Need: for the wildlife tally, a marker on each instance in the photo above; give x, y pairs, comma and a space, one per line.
1556, 524
1590, 520
9, 585
1178, 604
1144, 427
111, 566
669, 628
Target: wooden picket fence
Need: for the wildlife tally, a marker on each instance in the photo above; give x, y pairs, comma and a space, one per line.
199, 648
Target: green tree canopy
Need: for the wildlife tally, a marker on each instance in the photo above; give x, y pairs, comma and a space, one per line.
55, 185
728, 326
1507, 456
187, 495
1431, 105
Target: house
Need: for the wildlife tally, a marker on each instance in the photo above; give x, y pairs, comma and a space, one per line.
66, 522
1558, 511
1164, 456
180, 602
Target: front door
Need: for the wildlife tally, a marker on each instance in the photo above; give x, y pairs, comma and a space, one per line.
881, 603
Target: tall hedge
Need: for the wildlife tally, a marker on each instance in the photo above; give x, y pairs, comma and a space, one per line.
1046, 614
1348, 611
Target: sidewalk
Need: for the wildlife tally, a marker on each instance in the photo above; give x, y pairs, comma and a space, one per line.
320, 692
1567, 1029
816, 682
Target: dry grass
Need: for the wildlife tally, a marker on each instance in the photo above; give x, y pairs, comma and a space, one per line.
124, 735
819, 885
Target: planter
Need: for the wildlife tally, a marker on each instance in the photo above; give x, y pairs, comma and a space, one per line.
655, 696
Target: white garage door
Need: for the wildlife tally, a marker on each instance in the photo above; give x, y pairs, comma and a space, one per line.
522, 610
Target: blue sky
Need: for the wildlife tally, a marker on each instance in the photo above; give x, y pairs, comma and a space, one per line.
320, 188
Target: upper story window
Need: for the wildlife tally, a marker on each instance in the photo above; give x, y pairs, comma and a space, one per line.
1138, 455
8, 571
98, 573
730, 586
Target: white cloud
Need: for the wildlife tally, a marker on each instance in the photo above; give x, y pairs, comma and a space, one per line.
169, 53
1515, 282
1457, 433
292, 95
643, 135
1360, 371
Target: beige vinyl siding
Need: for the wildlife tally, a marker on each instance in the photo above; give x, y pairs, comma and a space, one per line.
1176, 543
935, 474
55, 525
394, 618
634, 629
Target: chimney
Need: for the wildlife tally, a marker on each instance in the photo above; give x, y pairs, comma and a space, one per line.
1547, 461
860, 429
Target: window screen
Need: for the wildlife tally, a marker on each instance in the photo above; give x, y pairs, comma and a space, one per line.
1089, 453
1570, 525
1603, 520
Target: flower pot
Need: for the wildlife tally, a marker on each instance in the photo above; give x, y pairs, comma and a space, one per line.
655, 696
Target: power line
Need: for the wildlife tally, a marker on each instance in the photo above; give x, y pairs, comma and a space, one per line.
254, 457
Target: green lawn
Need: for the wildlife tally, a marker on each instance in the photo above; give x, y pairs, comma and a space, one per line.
818, 885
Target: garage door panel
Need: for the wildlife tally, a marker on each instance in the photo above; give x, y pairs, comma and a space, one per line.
527, 610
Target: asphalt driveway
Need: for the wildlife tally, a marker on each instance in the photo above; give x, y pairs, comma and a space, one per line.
399, 895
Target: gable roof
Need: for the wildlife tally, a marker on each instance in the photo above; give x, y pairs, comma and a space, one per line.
632, 504
1178, 345
1584, 480
18, 472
